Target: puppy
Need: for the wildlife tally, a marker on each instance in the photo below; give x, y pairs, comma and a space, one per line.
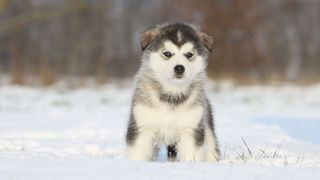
170, 106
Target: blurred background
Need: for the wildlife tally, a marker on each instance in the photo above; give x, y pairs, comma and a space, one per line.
255, 41
66, 69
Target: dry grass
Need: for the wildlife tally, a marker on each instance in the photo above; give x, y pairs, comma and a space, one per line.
267, 155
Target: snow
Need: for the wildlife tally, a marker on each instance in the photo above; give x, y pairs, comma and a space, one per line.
265, 132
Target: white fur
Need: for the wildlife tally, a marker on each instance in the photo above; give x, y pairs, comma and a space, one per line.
161, 124
164, 69
211, 155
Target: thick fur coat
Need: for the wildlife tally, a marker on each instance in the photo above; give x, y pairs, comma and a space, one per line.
170, 105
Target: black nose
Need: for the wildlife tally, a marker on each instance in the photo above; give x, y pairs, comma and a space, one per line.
179, 69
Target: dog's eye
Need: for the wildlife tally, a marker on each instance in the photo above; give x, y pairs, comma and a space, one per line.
167, 54
189, 55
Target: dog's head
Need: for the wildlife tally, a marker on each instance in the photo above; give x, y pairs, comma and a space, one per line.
176, 53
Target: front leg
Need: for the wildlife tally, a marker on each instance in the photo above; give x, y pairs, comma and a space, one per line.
143, 147
189, 148
140, 141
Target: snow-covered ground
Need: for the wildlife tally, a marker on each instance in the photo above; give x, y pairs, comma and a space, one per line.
265, 132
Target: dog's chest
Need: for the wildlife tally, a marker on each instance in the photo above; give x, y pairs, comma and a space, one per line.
166, 121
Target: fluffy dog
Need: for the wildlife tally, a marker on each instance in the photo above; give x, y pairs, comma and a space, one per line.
170, 105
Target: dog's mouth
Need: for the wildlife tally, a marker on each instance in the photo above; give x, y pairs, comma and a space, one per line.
177, 76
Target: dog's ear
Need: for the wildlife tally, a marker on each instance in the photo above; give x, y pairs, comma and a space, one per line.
206, 40
148, 36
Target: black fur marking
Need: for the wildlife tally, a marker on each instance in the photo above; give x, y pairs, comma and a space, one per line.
172, 152
171, 31
188, 34
132, 131
173, 99
210, 116
199, 134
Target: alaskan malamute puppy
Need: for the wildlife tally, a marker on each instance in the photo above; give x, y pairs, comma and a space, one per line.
170, 105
